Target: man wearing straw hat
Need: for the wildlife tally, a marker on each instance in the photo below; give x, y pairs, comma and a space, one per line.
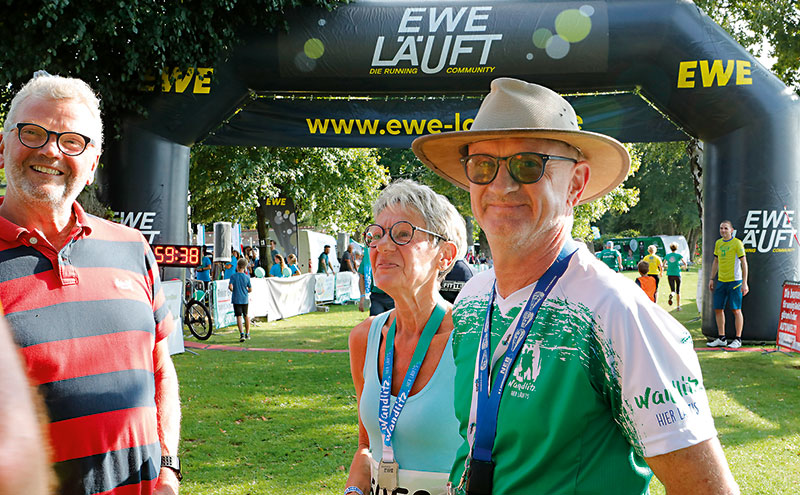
568, 379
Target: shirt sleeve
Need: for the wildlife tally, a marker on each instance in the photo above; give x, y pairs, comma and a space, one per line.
739, 249
658, 398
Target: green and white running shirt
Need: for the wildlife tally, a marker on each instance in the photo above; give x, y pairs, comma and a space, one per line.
605, 378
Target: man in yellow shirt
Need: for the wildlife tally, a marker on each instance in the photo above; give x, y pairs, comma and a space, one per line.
730, 264
656, 267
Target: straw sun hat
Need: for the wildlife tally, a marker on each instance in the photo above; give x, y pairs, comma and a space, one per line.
517, 109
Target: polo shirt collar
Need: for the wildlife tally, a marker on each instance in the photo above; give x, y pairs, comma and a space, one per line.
9, 231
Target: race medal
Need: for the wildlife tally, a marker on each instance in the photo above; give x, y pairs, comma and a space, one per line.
387, 475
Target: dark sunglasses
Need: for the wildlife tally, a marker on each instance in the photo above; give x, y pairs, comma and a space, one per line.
525, 168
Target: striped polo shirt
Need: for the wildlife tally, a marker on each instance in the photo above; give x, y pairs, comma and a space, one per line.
87, 318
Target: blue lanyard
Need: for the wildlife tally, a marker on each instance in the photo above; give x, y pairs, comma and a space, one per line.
367, 275
489, 404
386, 422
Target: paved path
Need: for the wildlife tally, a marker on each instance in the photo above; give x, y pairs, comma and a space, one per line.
218, 347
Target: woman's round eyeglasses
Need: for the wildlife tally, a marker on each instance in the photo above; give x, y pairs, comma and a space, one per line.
401, 233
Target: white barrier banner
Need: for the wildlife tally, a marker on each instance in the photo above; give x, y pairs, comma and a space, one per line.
289, 296
173, 295
274, 298
347, 287
260, 300
325, 288
223, 307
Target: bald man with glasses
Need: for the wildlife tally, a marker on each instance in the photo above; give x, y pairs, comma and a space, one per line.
567, 376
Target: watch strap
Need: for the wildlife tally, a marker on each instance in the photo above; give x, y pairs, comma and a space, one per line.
172, 462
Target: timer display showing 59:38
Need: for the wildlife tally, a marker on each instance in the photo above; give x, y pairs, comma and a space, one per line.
177, 255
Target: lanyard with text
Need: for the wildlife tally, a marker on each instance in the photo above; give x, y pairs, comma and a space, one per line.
481, 467
388, 468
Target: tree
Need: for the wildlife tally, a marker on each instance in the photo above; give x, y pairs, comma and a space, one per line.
112, 44
752, 22
667, 202
333, 188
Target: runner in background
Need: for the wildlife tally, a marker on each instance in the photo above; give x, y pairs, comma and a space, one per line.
674, 261
611, 257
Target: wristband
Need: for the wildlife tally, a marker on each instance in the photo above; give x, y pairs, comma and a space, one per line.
353, 489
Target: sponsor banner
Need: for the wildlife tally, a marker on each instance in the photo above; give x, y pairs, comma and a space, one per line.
143, 221
788, 329
223, 307
325, 288
173, 298
450, 40
282, 217
395, 123
769, 231
346, 287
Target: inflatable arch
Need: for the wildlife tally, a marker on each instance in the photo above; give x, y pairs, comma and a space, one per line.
400, 69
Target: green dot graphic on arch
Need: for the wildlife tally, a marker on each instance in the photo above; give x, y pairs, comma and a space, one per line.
573, 25
313, 48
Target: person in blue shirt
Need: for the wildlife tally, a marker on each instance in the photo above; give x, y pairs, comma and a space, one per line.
279, 268
230, 267
323, 263
292, 260
204, 270
240, 286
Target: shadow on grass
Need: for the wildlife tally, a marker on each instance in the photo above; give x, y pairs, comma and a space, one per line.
763, 386
318, 330
282, 421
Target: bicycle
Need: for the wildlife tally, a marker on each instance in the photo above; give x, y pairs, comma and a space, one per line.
197, 316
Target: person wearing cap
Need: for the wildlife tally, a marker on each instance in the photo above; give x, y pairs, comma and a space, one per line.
84, 300
568, 379
611, 257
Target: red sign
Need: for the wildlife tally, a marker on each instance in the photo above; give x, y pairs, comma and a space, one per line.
789, 323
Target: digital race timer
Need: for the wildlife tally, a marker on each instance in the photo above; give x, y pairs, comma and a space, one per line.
177, 255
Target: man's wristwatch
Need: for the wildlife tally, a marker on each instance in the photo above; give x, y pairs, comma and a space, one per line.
174, 463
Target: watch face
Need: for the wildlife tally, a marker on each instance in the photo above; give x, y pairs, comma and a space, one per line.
177, 255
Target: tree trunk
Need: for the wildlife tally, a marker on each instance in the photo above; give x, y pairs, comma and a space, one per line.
263, 235
468, 221
695, 151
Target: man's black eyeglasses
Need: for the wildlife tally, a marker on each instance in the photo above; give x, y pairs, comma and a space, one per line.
400, 233
35, 136
525, 168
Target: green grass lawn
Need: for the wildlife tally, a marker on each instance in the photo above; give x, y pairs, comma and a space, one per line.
283, 422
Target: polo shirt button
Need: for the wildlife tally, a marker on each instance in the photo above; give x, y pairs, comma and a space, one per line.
33, 240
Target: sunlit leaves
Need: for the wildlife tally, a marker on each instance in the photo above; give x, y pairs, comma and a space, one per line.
333, 188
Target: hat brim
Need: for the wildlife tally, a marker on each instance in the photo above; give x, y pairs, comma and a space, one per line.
608, 160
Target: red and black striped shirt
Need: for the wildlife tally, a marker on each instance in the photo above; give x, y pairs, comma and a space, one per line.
87, 318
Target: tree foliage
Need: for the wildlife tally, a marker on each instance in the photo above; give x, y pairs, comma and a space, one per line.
667, 203
333, 189
751, 22
403, 164
113, 44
